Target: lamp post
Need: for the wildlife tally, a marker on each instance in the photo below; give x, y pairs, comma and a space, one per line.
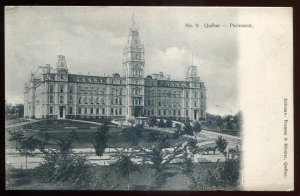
218, 119
230, 116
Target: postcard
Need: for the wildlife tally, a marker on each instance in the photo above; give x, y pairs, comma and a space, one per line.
149, 98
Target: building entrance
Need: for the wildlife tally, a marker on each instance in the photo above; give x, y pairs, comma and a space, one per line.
61, 112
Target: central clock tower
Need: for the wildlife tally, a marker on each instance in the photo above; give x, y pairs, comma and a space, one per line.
133, 66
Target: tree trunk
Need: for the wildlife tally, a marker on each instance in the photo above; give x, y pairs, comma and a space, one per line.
128, 187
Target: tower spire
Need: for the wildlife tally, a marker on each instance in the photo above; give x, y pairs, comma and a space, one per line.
60, 46
192, 57
133, 23
33, 61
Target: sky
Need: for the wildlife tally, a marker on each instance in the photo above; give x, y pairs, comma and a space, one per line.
92, 40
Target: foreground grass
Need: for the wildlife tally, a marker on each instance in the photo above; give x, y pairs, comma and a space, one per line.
17, 179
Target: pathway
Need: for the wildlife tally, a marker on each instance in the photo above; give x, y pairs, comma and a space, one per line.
22, 123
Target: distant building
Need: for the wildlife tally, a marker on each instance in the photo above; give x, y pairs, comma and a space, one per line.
56, 93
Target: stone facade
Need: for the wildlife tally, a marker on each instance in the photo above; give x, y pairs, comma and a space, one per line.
55, 93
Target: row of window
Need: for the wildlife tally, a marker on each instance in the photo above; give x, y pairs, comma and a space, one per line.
61, 99
161, 93
165, 112
118, 101
118, 111
137, 91
174, 103
113, 111
136, 72
86, 90
61, 89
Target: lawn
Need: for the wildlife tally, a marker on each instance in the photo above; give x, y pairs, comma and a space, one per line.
86, 131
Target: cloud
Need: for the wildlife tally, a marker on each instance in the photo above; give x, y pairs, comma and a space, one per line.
92, 39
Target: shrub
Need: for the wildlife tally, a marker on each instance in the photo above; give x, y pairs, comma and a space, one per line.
65, 168
221, 145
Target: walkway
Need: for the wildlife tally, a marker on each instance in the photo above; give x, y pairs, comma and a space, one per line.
22, 123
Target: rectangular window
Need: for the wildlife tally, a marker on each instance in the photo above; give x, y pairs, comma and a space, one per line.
79, 110
85, 110
186, 112
97, 110
51, 110
159, 112
120, 111
61, 99
103, 110
91, 111
152, 93
112, 111
71, 90
51, 89
51, 99
116, 111
174, 113
70, 110
179, 114
61, 89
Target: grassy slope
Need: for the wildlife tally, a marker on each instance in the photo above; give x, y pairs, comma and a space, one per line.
86, 135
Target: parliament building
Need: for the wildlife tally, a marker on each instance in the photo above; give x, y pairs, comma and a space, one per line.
56, 93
